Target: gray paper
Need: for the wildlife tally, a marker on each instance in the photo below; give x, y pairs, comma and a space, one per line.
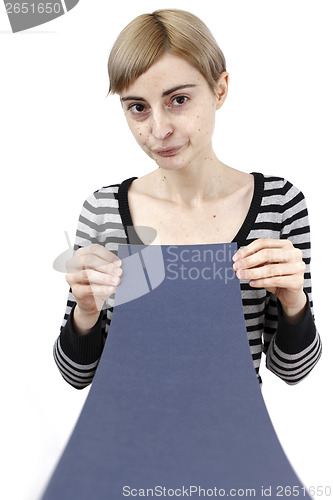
175, 408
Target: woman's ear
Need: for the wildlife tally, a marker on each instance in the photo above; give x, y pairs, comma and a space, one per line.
221, 90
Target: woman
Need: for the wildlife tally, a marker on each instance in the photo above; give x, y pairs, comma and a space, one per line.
171, 77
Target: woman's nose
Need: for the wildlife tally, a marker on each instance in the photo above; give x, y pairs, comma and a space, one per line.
161, 126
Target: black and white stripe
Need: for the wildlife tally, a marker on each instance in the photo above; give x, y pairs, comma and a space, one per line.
278, 210
75, 374
294, 367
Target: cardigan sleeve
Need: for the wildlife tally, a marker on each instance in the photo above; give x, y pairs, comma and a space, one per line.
77, 356
292, 351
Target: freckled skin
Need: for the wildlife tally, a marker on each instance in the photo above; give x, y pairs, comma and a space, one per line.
172, 121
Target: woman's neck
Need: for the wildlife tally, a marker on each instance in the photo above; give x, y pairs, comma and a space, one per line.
192, 185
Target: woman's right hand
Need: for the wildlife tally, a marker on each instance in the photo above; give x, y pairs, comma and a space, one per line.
93, 274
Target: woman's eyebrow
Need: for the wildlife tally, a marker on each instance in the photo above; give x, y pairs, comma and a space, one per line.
131, 98
165, 93
178, 87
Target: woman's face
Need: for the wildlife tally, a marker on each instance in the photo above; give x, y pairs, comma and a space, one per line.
170, 110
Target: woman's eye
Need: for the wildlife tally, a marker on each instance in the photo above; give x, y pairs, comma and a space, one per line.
137, 108
179, 100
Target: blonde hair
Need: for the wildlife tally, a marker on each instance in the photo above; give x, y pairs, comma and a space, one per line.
169, 31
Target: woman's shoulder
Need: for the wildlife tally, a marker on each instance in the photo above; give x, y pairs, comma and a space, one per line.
100, 219
107, 191
112, 190
104, 194
100, 203
281, 206
278, 188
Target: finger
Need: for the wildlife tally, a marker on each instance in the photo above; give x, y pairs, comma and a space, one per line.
272, 270
84, 292
269, 255
259, 244
101, 278
88, 260
91, 261
96, 250
290, 282
92, 277
100, 251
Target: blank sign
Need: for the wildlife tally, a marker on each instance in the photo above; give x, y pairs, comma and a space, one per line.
175, 405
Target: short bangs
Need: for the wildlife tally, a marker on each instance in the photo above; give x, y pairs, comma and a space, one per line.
150, 36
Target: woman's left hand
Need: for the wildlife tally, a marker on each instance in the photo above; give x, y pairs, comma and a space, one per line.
277, 266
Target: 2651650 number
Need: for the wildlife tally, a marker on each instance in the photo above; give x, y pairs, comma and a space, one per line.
33, 8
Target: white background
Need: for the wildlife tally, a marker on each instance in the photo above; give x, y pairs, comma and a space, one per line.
62, 138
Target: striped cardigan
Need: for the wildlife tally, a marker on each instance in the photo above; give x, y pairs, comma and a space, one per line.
278, 210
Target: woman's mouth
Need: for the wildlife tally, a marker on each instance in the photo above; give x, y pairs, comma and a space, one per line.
165, 152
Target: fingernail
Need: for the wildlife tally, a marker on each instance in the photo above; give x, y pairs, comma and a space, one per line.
236, 257
117, 271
